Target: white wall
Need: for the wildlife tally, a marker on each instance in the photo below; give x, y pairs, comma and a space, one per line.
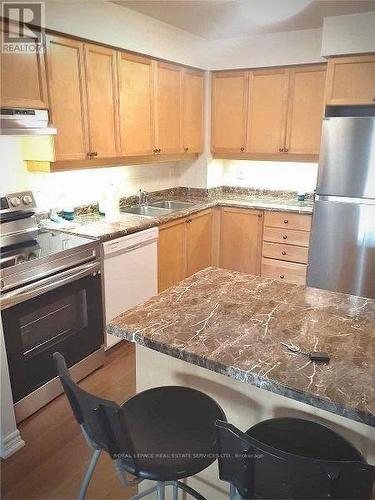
80, 186
289, 47
352, 34
288, 176
105, 22
10, 439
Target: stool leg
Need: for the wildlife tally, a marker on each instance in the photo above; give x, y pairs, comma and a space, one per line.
160, 490
233, 493
88, 475
175, 491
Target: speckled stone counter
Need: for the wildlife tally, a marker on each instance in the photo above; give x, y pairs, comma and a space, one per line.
91, 224
234, 323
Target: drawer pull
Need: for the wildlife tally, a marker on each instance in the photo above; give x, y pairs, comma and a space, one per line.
283, 252
286, 221
285, 237
282, 276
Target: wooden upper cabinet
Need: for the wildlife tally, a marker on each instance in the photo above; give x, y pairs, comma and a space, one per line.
193, 100
241, 239
229, 101
351, 80
23, 80
136, 84
102, 98
199, 241
168, 87
68, 100
268, 94
305, 109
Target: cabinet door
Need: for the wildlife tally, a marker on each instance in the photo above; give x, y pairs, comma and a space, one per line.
68, 100
23, 79
199, 242
241, 240
351, 80
171, 254
168, 108
193, 99
136, 75
229, 101
102, 98
268, 95
305, 109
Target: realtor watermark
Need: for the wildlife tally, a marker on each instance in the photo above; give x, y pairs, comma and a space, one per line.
19, 34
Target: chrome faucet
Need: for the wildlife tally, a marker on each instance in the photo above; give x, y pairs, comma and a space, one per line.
142, 197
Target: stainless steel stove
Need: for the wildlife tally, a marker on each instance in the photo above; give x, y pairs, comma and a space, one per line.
50, 300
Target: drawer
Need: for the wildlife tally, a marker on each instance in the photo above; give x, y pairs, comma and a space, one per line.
285, 271
289, 236
287, 220
285, 252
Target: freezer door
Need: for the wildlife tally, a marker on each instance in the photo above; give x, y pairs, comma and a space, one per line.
347, 158
342, 247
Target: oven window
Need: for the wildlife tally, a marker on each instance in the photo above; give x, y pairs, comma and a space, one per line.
52, 322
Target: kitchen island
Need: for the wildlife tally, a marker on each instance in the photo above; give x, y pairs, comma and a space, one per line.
221, 331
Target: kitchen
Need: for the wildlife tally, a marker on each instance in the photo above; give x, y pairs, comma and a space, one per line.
157, 166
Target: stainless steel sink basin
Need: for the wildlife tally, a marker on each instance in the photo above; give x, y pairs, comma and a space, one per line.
171, 205
145, 210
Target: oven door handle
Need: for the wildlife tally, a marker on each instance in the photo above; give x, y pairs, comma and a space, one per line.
32, 290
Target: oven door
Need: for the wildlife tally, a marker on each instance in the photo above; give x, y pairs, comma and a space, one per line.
64, 314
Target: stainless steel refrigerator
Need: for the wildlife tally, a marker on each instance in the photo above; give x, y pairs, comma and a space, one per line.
342, 248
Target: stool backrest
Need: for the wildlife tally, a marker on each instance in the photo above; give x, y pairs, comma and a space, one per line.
261, 471
103, 421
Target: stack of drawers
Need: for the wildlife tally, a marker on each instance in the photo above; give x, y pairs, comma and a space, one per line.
286, 246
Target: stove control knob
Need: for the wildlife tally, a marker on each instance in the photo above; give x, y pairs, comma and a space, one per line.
27, 199
15, 201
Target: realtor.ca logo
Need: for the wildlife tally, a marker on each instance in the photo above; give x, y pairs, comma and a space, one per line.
23, 27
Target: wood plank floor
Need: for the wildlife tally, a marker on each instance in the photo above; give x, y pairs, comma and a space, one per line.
54, 460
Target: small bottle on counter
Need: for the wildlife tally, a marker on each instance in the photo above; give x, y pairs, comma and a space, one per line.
68, 212
112, 205
301, 196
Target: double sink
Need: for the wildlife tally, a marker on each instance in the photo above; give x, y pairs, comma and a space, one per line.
157, 208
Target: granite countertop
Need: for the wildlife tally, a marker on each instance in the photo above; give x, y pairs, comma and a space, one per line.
92, 225
233, 323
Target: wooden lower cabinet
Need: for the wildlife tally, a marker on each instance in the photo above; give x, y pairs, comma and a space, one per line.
241, 239
199, 242
285, 246
286, 271
184, 247
171, 254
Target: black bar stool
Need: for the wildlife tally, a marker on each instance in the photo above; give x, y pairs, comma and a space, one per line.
291, 458
163, 434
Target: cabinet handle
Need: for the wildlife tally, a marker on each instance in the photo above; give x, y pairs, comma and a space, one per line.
286, 150
89, 155
155, 151
94, 153
286, 221
186, 150
242, 149
282, 276
373, 98
285, 237
281, 150
159, 150
260, 216
283, 252
188, 221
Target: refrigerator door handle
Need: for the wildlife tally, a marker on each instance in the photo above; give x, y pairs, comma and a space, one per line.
345, 199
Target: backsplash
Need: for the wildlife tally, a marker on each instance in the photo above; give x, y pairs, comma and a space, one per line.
279, 176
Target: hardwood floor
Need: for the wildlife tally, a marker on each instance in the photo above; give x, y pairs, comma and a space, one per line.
54, 460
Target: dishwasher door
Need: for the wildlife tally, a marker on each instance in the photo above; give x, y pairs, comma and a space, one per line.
130, 274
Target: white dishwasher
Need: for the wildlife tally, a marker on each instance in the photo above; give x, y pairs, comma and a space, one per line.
130, 273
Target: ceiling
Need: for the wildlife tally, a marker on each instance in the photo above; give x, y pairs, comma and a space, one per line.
214, 19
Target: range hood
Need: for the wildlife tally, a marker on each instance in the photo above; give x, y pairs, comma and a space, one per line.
21, 121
